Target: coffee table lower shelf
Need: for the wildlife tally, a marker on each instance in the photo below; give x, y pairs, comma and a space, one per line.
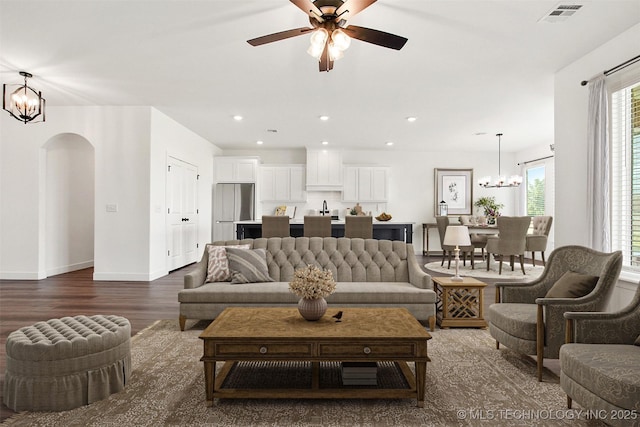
312, 380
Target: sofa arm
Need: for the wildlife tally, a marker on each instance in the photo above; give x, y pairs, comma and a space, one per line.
196, 277
417, 276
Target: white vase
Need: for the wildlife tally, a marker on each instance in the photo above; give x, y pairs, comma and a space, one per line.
312, 309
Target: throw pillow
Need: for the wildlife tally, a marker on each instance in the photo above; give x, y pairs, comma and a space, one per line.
218, 265
248, 266
572, 285
637, 340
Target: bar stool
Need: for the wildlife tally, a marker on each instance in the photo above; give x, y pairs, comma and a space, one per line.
358, 226
317, 226
275, 226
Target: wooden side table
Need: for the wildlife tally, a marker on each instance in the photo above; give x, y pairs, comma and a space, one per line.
459, 303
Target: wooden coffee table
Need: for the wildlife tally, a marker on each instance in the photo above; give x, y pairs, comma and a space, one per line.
281, 334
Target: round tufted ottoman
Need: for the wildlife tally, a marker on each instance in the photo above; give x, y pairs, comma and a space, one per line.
64, 363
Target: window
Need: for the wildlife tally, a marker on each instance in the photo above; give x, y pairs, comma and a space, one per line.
535, 190
625, 174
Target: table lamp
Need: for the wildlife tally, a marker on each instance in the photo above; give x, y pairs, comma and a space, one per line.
457, 235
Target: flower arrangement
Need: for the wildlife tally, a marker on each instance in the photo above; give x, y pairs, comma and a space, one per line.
311, 282
489, 205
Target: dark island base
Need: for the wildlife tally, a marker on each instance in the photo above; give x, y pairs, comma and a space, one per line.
381, 231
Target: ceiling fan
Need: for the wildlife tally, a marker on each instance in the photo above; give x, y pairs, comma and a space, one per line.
330, 34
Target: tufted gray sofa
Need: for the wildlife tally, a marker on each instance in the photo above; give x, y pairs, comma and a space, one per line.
600, 366
368, 272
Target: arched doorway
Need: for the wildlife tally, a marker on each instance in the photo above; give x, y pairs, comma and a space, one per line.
69, 179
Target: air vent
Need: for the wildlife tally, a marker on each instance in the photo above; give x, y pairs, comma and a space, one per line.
561, 12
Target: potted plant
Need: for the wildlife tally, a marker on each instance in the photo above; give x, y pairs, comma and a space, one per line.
490, 207
312, 284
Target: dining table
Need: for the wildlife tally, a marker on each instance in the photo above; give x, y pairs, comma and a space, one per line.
477, 228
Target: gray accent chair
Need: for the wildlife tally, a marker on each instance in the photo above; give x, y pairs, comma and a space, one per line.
443, 223
358, 227
317, 226
600, 365
275, 226
526, 321
510, 241
537, 240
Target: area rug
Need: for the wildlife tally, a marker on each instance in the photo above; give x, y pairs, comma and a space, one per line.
480, 270
469, 382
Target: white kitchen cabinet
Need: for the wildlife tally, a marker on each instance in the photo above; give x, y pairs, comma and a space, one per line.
236, 169
324, 170
365, 184
282, 183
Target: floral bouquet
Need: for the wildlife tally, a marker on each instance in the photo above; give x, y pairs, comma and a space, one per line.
311, 282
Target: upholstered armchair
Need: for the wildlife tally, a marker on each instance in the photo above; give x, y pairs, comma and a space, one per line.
443, 223
537, 240
528, 318
596, 337
511, 240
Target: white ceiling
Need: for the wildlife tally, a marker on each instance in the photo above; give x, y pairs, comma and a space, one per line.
469, 66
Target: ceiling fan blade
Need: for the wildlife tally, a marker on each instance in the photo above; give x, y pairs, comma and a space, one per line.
325, 63
279, 36
351, 7
309, 8
377, 37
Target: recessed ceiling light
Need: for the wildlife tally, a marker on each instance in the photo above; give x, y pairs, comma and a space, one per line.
411, 119
237, 118
480, 133
389, 143
259, 142
324, 118
325, 142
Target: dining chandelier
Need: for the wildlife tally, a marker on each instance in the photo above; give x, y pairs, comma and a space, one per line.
23, 102
501, 181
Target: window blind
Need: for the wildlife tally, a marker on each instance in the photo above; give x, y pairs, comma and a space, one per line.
625, 173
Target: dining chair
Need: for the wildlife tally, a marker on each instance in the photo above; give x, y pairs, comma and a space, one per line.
443, 223
537, 241
275, 226
510, 241
358, 226
317, 226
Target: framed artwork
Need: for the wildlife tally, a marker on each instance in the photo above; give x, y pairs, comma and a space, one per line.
455, 187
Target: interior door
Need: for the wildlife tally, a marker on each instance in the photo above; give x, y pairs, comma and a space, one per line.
182, 213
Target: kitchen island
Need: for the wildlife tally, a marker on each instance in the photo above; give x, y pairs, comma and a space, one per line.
382, 230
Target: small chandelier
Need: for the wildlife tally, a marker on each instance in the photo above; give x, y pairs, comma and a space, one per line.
501, 181
23, 102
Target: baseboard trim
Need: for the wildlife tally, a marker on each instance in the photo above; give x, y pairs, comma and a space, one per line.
127, 277
22, 275
71, 267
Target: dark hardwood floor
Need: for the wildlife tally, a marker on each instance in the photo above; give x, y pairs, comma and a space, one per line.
24, 302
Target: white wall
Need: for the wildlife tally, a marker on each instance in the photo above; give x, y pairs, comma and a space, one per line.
69, 208
169, 138
127, 242
571, 103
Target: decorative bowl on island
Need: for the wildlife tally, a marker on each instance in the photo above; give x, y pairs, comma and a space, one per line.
384, 217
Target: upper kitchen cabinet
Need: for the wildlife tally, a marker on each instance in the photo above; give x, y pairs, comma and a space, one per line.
324, 170
282, 183
236, 169
365, 184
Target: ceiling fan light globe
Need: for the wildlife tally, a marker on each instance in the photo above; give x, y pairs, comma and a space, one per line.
340, 39
334, 52
319, 37
315, 51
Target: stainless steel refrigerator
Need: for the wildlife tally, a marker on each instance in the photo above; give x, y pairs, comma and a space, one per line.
233, 202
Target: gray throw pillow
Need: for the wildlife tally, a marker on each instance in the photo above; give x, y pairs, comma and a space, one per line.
248, 265
572, 285
637, 340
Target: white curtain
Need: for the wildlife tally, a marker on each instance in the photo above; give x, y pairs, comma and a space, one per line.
598, 167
